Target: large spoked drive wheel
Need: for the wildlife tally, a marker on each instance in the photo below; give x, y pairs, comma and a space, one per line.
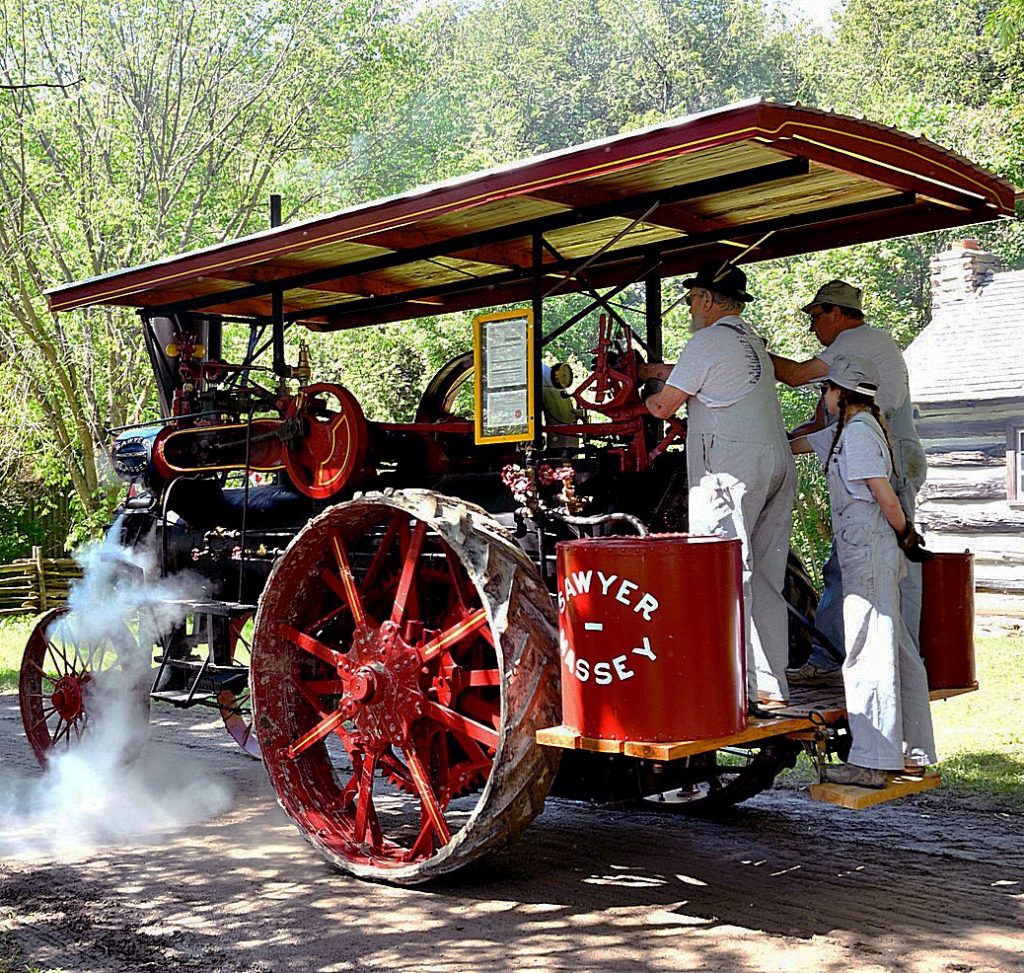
404, 656
72, 676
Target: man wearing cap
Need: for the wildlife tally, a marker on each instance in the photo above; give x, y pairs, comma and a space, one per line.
741, 474
837, 320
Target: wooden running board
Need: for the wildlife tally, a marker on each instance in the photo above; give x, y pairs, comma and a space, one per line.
858, 798
807, 709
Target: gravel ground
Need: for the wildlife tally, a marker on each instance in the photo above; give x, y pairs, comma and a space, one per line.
926, 884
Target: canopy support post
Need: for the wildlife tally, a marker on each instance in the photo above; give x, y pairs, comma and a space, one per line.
277, 303
652, 312
537, 267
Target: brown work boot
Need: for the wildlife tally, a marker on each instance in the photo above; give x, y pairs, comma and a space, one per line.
811, 675
856, 776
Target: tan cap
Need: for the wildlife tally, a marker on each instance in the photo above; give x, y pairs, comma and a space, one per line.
836, 292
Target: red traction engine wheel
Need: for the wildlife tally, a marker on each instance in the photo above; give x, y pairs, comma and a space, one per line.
70, 673
329, 452
405, 655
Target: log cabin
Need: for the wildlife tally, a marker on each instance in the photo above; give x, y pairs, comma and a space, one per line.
967, 383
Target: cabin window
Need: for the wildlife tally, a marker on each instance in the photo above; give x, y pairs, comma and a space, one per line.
1015, 464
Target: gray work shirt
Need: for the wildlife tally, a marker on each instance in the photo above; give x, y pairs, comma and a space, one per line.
715, 367
879, 347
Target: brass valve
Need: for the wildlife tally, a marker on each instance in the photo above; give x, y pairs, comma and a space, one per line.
302, 371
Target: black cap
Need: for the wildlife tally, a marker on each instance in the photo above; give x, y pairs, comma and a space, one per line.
722, 278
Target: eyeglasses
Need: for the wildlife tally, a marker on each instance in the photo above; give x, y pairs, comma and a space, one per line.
692, 295
824, 387
816, 314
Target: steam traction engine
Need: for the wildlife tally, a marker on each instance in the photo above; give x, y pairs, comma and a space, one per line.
395, 584
404, 581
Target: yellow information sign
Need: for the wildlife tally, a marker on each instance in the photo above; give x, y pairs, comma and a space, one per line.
503, 376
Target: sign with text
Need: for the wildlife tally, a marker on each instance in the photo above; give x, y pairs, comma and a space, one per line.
503, 364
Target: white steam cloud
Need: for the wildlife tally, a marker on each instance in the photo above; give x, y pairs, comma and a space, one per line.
105, 788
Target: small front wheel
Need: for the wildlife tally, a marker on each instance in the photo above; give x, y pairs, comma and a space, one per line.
77, 672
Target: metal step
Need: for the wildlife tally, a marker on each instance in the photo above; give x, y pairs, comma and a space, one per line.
198, 665
227, 609
179, 697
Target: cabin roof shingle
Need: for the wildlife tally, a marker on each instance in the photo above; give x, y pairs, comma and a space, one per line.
974, 346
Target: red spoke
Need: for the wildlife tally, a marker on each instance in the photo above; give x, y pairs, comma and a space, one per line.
457, 573
365, 801
322, 729
348, 581
43, 719
41, 672
409, 565
339, 730
427, 797
424, 843
461, 724
468, 626
478, 757
333, 582
479, 709
332, 614
390, 764
58, 730
325, 687
54, 651
313, 646
484, 677
381, 554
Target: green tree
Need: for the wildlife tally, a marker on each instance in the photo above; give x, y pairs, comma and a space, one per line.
176, 120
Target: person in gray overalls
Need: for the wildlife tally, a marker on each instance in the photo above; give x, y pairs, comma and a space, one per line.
742, 478
837, 321
883, 673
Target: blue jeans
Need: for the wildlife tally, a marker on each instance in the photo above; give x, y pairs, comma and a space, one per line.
828, 619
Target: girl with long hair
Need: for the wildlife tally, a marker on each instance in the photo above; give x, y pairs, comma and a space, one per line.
883, 674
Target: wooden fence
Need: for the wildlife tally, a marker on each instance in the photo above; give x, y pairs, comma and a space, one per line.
32, 585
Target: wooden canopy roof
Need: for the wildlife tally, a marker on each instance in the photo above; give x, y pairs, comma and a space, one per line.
777, 179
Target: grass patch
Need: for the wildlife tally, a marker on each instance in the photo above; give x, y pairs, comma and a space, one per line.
14, 632
979, 736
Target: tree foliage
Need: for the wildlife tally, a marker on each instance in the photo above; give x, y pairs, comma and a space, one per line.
178, 117
187, 115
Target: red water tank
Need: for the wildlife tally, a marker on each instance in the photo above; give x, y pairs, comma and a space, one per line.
651, 637
947, 620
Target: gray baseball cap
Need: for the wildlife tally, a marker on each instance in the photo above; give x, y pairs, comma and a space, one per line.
854, 374
837, 292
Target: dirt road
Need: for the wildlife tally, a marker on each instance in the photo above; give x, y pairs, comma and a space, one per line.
782, 885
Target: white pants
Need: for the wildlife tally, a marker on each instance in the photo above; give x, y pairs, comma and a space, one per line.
749, 495
884, 675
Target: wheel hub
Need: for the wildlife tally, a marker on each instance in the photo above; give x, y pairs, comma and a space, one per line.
383, 685
67, 697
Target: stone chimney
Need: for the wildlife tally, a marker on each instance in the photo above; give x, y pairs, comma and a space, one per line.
961, 271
